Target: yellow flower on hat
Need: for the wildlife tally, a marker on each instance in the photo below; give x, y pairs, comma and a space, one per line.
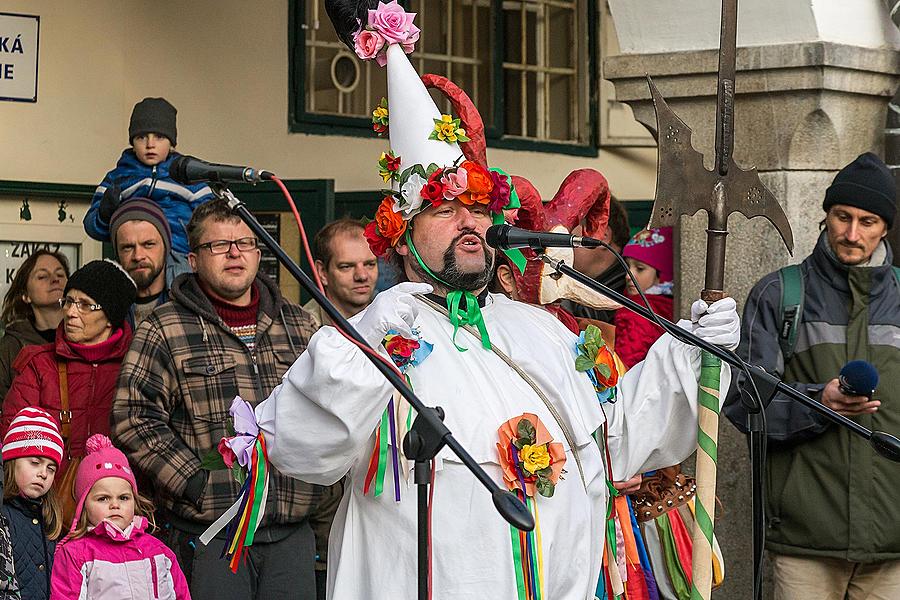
447, 129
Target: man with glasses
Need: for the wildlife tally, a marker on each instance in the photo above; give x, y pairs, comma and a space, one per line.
227, 332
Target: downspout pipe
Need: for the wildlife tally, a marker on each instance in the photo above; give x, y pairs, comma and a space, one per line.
892, 138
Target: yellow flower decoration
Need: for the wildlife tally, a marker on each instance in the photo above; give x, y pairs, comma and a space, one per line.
447, 129
535, 458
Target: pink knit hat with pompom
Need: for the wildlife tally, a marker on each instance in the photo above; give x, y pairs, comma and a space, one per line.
654, 247
102, 460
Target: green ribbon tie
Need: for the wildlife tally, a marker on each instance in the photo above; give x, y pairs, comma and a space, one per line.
470, 316
458, 317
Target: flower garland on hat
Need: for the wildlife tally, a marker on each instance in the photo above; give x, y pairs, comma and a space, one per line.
421, 187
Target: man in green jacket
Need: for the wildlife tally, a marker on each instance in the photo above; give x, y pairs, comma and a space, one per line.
833, 520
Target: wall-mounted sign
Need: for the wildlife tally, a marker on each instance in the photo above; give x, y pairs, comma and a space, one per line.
19, 57
13, 254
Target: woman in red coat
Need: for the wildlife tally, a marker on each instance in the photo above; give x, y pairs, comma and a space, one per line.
74, 378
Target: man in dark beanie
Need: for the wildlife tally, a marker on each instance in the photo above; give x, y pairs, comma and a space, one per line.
143, 242
834, 523
143, 172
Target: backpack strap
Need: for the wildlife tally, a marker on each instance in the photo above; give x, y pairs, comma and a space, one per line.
791, 308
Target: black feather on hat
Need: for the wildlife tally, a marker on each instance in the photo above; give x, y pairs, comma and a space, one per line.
348, 16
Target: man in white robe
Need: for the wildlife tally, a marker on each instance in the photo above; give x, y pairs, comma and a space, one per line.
320, 425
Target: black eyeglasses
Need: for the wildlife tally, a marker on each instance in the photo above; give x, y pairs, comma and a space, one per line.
81, 305
224, 246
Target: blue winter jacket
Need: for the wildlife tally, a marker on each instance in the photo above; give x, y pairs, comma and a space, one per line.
135, 179
32, 551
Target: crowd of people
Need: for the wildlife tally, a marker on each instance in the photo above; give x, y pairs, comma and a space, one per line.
118, 382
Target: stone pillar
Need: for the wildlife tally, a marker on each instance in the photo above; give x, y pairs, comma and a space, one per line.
802, 111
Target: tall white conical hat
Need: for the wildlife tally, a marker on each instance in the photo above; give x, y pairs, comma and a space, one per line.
413, 113
425, 163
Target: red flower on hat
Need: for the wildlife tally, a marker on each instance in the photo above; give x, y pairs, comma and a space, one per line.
378, 244
433, 191
500, 192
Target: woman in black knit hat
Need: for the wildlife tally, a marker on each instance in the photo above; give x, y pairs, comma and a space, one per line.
74, 378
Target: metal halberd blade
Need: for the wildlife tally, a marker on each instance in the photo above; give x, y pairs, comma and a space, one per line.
684, 186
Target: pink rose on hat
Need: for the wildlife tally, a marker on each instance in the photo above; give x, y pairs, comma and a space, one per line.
455, 182
368, 44
393, 23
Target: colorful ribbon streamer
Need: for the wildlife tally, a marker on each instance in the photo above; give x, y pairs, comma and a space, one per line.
245, 515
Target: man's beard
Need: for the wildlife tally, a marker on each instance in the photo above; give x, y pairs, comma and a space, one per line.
141, 281
451, 273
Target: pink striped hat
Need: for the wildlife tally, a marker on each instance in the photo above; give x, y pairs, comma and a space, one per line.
33, 432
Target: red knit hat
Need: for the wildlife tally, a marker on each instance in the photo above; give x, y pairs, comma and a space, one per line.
654, 247
33, 432
102, 460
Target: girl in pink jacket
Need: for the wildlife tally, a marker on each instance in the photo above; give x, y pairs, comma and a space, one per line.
109, 553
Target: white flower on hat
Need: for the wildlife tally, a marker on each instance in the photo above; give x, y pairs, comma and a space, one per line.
410, 202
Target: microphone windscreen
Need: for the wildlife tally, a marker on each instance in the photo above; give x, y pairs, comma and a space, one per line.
495, 235
178, 168
859, 377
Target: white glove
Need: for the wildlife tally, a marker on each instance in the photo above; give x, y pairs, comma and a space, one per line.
395, 309
718, 323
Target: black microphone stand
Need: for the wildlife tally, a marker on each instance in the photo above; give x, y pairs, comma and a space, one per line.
428, 433
764, 385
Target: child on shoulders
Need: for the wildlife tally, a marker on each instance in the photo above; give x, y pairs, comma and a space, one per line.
143, 171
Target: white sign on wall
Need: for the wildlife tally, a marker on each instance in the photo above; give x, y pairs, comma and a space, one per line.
13, 254
19, 57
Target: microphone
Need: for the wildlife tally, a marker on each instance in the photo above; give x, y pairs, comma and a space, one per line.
858, 378
188, 169
506, 237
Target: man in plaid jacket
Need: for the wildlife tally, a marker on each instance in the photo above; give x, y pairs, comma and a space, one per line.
226, 332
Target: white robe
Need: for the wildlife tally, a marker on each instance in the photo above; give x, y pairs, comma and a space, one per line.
320, 423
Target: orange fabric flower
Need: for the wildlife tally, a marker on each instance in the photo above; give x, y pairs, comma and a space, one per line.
480, 184
605, 357
508, 432
390, 224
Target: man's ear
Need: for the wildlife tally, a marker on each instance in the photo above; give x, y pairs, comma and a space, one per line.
402, 249
323, 272
507, 281
192, 260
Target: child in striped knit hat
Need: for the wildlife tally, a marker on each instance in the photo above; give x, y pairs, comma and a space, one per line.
32, 451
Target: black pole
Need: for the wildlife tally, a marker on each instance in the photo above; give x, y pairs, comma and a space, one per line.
757, 448
885, 444
428, 434
422, 477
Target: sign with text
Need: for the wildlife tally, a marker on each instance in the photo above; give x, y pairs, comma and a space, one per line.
13, 254
19, 57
